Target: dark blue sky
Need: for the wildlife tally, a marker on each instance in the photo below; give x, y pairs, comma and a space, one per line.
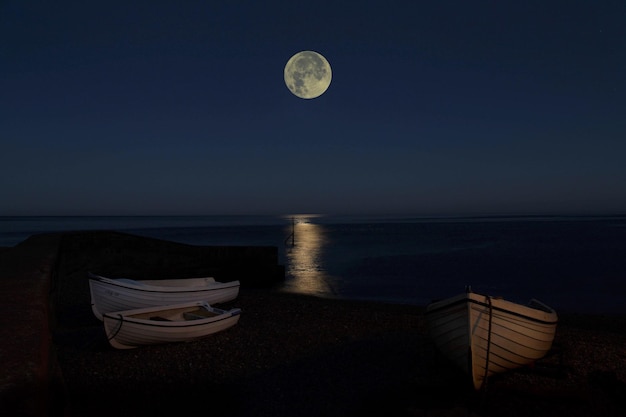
435, 108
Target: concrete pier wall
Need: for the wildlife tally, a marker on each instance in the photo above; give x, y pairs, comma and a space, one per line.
29, 378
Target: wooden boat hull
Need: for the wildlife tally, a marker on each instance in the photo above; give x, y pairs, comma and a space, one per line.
108, 294
166, 324
485, 335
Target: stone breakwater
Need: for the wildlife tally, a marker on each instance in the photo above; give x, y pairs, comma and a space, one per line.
30, 381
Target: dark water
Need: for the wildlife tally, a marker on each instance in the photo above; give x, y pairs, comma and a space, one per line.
573, 264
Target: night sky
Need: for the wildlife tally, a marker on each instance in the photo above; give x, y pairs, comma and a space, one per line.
435, 108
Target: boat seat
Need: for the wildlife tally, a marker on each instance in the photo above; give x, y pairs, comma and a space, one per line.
159, 318
129, 281
193, 316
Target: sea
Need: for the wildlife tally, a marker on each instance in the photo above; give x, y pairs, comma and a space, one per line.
572, 263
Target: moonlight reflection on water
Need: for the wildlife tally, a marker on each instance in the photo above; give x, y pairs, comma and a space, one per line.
304, 267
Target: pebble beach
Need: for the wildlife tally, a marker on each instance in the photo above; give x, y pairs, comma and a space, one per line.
298, 355
293, 354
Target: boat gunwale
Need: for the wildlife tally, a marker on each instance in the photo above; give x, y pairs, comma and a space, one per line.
125, 316
466, 298
215, 286
171, 324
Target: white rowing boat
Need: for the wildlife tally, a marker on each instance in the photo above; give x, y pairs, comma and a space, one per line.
117, 294
166, 324
486, 335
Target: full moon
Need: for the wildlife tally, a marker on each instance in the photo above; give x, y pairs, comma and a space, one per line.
307, 74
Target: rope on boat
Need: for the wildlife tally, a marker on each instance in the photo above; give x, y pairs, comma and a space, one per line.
118, 329
484, 383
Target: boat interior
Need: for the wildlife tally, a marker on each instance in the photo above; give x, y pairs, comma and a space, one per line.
176, 314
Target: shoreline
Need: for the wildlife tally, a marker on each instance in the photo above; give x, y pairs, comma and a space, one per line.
294, 354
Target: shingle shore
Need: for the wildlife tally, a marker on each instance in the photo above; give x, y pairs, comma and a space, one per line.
298, 355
